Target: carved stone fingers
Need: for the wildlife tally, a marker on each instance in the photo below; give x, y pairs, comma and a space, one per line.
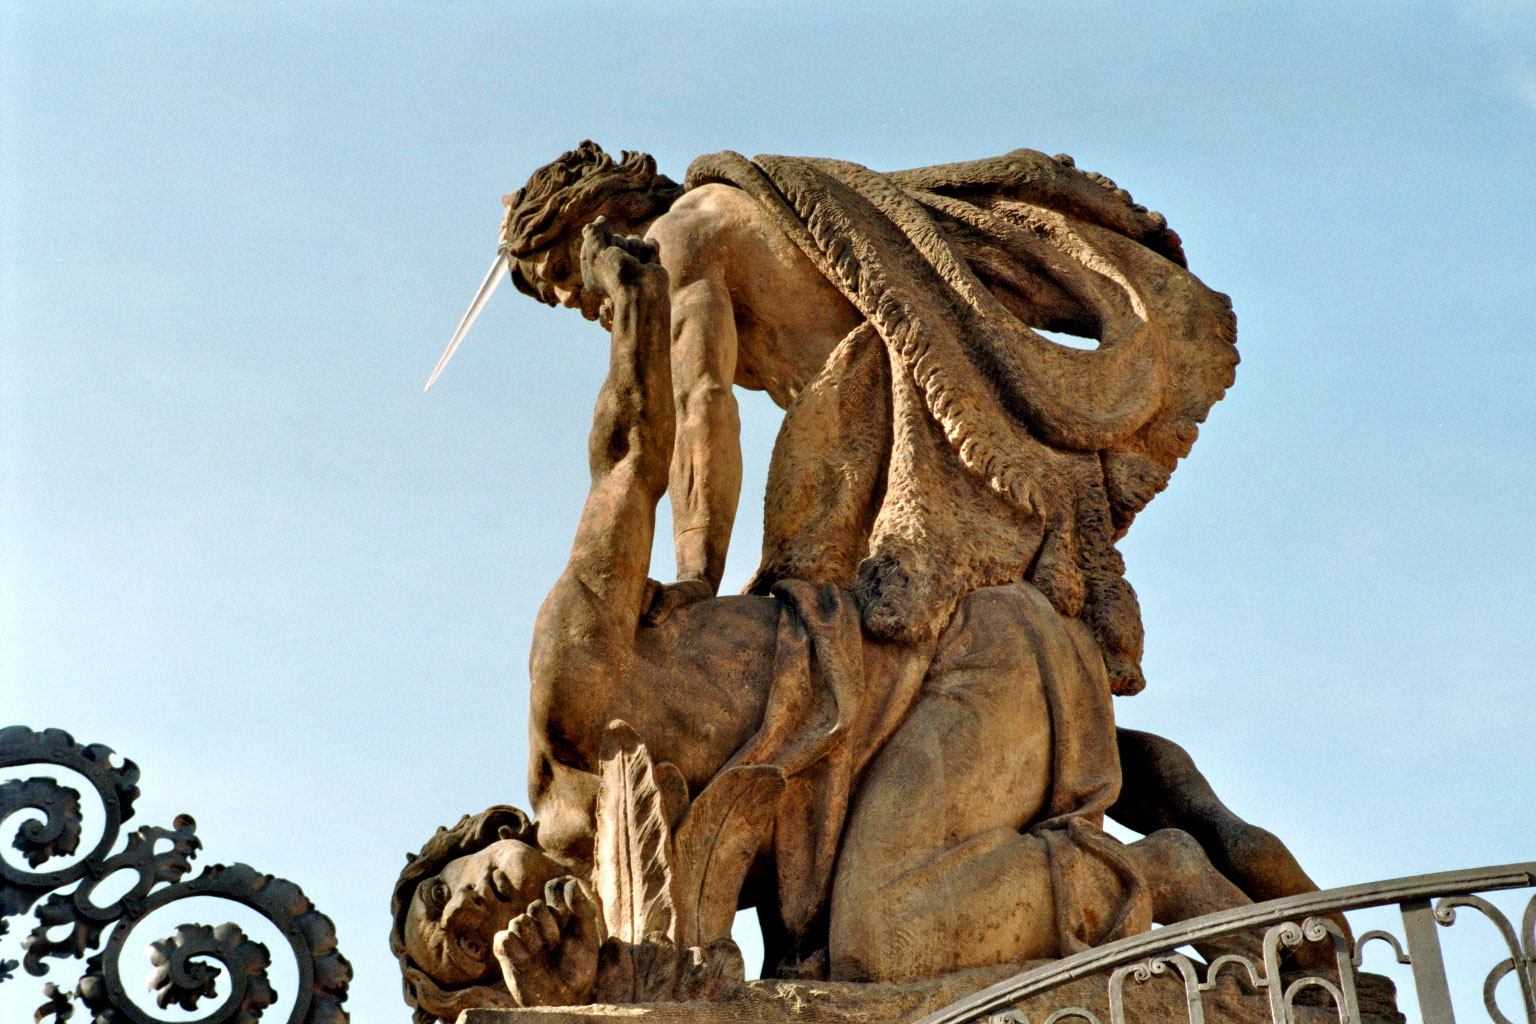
611, 265
548, 953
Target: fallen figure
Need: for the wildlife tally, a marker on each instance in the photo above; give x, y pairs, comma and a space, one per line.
942, 802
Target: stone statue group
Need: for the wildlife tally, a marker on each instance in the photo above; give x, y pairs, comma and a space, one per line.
898, 745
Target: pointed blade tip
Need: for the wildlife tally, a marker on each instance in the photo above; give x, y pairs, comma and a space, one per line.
492, 279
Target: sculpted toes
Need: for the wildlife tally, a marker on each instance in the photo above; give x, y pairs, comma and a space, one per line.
510, 948
554, 899
544, 919
528, 932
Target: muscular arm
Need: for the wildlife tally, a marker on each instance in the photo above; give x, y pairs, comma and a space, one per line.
729, 265
706, 463
706, 460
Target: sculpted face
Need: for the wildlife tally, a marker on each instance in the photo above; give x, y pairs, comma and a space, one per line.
555, 272
455, 914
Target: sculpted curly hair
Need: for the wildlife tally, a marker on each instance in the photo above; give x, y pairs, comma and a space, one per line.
576, 188
473, 833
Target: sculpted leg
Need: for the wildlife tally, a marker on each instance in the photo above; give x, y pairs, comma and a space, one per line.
986, 900
990, 899
934, 875
1162, 788
1184, 884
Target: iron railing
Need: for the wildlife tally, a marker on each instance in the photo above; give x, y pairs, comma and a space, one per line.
51, 831
1427, 902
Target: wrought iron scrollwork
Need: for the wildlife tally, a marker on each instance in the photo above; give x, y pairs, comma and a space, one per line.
1522, 951
1427, 902
72, 923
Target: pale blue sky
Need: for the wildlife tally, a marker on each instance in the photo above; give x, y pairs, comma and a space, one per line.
240, 546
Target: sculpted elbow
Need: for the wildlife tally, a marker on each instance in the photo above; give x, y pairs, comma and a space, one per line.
708, 403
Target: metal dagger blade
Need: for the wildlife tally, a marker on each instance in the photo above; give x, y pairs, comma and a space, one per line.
492, 279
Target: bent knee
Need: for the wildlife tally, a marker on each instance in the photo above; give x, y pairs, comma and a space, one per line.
1177, 847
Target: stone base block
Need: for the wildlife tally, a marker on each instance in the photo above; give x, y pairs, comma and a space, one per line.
1160, 1000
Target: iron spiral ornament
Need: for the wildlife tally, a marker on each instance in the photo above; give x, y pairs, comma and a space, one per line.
186, 965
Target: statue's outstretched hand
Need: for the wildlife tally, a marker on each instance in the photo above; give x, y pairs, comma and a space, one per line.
664, 599
548, 954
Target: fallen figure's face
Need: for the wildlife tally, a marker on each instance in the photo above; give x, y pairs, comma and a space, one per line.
455, 915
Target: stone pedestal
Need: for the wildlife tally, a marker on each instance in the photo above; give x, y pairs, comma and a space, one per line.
1161, 1000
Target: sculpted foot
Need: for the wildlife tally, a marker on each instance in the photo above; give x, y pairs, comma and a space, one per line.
548, 954
1184, 884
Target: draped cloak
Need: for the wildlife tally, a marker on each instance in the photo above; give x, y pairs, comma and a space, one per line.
837, 696
946, 446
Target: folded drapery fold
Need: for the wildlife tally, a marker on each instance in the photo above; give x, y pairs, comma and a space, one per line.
945, 445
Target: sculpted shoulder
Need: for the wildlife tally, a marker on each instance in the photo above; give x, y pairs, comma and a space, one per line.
705, 231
